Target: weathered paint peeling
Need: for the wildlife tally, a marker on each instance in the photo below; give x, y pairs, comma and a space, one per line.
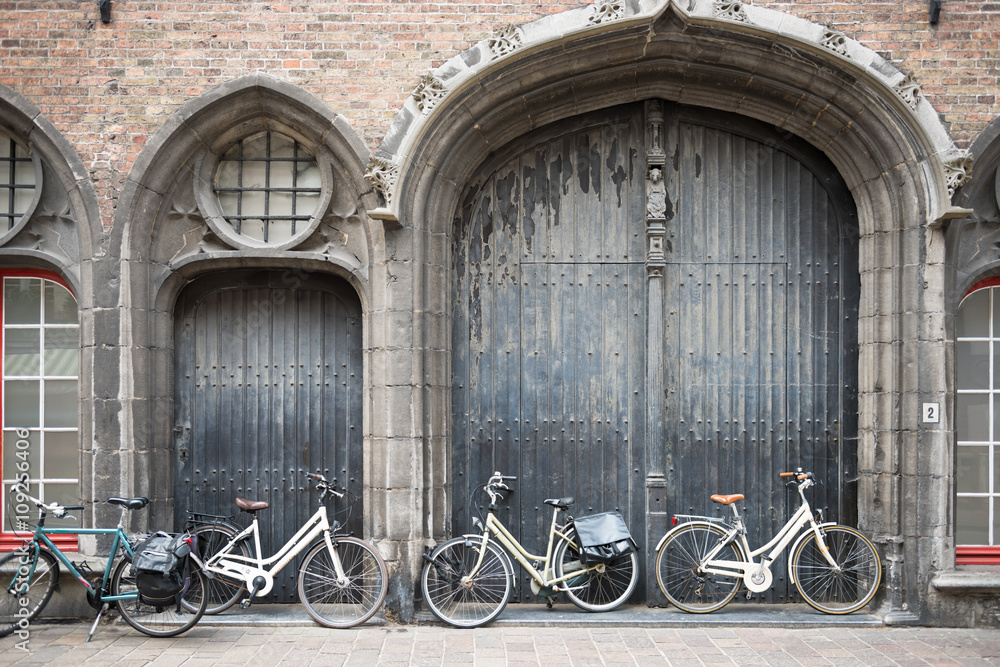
618, 175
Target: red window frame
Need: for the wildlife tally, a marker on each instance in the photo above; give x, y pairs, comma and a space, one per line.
10, 541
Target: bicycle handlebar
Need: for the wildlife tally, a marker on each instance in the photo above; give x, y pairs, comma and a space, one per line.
57, 510
324, 485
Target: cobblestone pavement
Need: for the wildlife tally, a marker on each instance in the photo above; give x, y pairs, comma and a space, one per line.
63, 643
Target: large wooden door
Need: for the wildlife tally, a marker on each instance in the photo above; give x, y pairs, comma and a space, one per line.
760, 307
748, 322
268, 385
549, 324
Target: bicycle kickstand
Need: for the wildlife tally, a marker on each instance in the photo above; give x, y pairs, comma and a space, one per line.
93, 628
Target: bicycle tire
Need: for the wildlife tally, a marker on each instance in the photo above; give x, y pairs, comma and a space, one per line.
168, 621
222, 591
607, 585
466, 603
678, 573
348, 603
827, 589
35, 597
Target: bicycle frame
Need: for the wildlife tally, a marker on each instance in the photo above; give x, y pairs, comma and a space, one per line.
40, 537
757, 575
249, 569
523, 556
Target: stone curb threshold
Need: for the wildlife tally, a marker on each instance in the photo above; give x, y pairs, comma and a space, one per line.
565, 615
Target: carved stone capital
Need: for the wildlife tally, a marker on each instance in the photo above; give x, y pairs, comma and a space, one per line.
957, 172
428, 93
731, 10
382, 175
909, 90
504, 42
603, 11
834, 40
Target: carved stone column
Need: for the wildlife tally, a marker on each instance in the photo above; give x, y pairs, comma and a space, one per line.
656, 227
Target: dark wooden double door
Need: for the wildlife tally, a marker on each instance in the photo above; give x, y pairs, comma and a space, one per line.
552, 339
268, 377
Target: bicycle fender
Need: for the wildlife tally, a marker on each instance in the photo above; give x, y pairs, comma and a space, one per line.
714, 524
477, 538
806, 534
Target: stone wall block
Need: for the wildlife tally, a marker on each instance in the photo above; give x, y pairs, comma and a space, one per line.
400, 412
396, 367
933, 507
401, 514
402, 467
438, 290
399, 329
379, 411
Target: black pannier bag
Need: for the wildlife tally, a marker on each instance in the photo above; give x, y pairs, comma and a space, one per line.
603, 537
160, 564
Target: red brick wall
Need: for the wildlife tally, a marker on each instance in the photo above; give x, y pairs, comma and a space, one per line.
108, 87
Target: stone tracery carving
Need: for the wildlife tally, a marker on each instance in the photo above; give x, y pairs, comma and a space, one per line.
382, 175
957, 172
731, 10
606, 10
506, 41
834, 40
428, 93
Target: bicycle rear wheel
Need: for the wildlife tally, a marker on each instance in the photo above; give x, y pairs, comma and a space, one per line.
167, 621
679, 573
20, 608
456, 598
831, 590
599, 586
221, 590
343, 604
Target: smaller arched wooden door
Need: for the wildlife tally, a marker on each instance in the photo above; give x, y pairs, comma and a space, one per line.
268, 377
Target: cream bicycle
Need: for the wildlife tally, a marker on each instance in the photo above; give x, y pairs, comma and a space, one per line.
701, 563
467, 580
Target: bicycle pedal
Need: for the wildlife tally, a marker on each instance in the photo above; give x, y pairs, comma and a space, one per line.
245, 604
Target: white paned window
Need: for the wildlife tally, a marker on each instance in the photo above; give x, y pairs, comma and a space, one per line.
40, 402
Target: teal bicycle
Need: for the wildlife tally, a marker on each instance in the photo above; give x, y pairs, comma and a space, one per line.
30, 574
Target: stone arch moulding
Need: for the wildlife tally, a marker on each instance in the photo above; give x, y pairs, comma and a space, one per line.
162, 233
811, 81
807, 79
62, 232
972, 241
168, 186
58, 232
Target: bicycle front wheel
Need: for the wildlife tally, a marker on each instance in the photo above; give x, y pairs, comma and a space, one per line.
455, 597
19, 608
338, 603
832, 590
221, 590
681, 577
167, 621
598, 586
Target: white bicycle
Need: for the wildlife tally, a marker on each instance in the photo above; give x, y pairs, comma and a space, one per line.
342, 582
701, 563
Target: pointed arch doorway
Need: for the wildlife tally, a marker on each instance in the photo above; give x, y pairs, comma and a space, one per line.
268, 379
586, 368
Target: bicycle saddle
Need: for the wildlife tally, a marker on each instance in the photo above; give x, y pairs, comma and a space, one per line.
727, 500
561, 503
130, 503
252, 505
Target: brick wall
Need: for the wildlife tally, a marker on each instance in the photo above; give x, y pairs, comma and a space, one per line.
108, 87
